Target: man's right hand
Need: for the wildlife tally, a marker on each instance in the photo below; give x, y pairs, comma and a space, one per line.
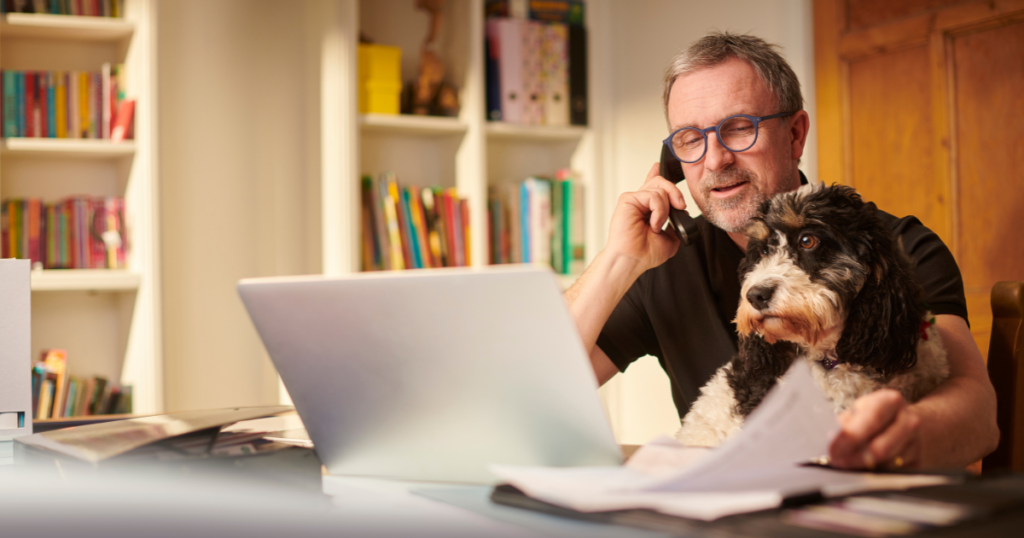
637, 222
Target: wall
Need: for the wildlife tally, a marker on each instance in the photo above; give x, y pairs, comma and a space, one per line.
645, 36
237, 197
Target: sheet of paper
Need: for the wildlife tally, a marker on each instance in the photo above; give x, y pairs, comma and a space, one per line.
754, 470
794, 424
284, 421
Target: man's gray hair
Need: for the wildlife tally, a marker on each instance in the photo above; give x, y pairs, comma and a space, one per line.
717, 47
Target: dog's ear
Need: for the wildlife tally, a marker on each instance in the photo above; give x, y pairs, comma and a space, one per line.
883, 323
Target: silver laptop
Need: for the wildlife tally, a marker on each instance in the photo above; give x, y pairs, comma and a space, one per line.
434, 374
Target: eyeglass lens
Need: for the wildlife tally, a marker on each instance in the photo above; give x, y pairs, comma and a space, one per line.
736, 134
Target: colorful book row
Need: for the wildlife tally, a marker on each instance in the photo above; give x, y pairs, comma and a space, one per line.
536, 72
86, 8
80, 232
56, 394
564, 11
412, 228
67, 104
539, 221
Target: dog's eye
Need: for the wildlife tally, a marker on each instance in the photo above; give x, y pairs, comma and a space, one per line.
808, 241
764, 251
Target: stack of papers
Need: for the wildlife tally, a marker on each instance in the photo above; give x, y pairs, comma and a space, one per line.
757, 469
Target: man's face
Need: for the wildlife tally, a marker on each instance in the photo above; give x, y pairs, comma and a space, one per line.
728, 187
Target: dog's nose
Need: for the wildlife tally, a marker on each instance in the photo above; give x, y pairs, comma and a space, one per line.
760, 296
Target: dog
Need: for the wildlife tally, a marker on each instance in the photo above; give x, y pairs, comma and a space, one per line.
823, 280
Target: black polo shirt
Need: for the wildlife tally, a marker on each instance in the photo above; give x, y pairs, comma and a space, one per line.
681, 311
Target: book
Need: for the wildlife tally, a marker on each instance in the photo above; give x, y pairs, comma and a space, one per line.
31, 113
10, 100
435, 230
467, 251
403, 222
124, 121
493, 80
369, 258
394, 234
532, 36
507, 42
420, 225
539, 219
555, 74
379, 222
415, 253
55, 362
558, 227
578, 107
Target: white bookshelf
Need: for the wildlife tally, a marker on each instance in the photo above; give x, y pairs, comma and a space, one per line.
108, 320
467, 152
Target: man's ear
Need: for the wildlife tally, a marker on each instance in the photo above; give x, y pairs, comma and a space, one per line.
799, 125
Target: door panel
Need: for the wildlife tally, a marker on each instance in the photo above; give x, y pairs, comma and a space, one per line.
890, 115
990, 139
920, 108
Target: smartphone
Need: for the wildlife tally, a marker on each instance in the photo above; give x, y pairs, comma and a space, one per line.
682, 222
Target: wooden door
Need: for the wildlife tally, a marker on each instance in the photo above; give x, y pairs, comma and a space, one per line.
921, 109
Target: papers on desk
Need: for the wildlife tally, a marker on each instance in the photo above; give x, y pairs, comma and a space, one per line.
756, 469
97, 442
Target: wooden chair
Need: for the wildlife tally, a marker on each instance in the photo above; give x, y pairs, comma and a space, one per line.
1006, 369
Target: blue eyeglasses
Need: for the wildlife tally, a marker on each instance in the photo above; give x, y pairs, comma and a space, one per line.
736, 133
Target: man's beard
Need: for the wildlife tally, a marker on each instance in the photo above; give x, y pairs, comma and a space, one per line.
734, 213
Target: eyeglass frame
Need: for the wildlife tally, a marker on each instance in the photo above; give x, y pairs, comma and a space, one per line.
756, 120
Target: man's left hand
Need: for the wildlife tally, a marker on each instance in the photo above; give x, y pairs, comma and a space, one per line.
880, 431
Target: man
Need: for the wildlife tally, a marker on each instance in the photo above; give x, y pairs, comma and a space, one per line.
643, 294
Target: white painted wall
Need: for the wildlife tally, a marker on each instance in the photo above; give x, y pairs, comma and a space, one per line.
237, 197
645, 36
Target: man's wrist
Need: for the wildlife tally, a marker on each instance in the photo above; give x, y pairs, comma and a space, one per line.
619, 268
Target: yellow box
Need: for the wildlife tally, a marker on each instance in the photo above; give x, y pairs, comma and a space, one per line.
380, 63
380, 79
380, 98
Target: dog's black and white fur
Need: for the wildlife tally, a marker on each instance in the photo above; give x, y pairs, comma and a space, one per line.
824, 280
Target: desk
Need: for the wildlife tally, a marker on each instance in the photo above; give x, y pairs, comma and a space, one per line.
281, 495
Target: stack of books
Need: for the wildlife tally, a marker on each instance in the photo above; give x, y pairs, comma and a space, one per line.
412, 228
536, 62
67, 104
80, 232
87, 8
539, 220
56, 394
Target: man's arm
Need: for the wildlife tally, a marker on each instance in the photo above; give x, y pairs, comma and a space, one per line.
635, 244
953, 426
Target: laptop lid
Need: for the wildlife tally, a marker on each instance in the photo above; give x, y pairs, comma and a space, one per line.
434, 374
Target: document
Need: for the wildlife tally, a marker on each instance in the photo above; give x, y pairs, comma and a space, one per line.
754, 470
96, 442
